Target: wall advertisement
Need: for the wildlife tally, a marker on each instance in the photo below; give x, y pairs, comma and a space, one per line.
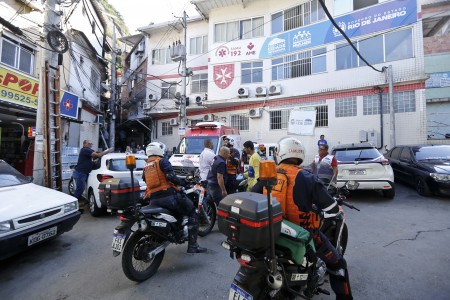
18, 89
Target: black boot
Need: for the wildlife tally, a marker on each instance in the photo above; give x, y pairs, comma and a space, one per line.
193, 246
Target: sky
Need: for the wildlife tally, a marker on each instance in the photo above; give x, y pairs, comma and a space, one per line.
139, 13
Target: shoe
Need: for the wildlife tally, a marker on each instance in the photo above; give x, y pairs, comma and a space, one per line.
196, 249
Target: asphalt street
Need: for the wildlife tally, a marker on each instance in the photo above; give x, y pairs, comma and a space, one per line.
398, 249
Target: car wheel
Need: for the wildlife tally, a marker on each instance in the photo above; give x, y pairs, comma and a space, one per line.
389, 193
71, 186
422, 187
93, 208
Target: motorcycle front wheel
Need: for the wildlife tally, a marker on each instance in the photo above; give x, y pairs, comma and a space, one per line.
344, 239
207, 218
136, 264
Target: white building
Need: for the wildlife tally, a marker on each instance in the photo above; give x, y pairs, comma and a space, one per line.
265, 59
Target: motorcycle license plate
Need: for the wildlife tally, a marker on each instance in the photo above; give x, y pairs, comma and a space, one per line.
117, 242
236, 293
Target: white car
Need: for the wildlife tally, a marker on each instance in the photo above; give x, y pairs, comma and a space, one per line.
362, 162
111, 165
31, 214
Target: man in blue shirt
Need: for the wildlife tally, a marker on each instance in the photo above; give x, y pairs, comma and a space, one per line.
83, 168
217, 176
322, 141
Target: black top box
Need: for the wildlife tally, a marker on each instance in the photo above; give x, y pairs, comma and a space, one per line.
244, 219
116, 192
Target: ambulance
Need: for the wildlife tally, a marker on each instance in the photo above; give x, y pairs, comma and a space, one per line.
185, 159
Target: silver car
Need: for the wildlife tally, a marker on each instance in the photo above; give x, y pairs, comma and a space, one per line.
362, 162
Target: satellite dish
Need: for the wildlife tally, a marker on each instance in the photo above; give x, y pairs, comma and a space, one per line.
57, 41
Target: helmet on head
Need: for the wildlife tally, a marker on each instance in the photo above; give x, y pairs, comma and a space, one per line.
289, 147
155, 148
231, 142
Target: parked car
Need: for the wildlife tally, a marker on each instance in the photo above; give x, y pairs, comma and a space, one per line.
31, 214
363, 163
111, 165
426, 167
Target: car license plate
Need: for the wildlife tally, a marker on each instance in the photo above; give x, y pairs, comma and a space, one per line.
236, 293
40, 236
357, 172
118, 241
142, 194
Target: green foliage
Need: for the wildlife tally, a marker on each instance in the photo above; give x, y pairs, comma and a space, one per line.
119, 21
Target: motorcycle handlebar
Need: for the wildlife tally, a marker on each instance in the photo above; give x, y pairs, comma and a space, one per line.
340, 201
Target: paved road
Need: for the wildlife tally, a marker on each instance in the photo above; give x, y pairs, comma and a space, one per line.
398, 249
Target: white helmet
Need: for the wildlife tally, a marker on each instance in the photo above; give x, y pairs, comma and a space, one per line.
289, 147
231, 142
155, 148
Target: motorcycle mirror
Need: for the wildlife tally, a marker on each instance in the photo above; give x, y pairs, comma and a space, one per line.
268, 172
130, 161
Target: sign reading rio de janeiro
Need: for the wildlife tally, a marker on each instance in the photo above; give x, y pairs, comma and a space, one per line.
373, 19
18, 89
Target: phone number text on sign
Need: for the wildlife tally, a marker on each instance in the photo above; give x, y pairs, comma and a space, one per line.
18, 88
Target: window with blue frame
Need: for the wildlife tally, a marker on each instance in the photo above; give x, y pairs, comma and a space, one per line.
252, 72
299, 64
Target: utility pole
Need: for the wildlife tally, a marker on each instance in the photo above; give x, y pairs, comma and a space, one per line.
182, 128
112, 101
390, 78
51, 18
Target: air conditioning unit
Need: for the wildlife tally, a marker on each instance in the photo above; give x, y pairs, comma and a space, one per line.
146, 106
261, 91
242, 92
255, 113
275, 90
208, 118
198, 100
173, 122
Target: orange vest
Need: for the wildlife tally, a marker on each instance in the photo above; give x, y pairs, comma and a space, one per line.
154, 177
231, 169
284, 192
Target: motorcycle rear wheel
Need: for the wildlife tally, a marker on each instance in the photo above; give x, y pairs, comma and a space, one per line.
207, 218
135, 264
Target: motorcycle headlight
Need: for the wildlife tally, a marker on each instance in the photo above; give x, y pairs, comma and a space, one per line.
70, 206
440, 177
6, 226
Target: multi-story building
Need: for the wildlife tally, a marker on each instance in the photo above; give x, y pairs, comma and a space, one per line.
256, 64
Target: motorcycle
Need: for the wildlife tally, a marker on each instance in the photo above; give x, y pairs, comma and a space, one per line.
206, 208
288, 268
144, 232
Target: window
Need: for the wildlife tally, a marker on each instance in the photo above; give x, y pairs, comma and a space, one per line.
406, 154
396, 152
166, 128
161, 56
299, 64
279, 119
371, 105
252, 72
345, 6
168, 90
403, 102
195, 121
240, 121
199, 45
17, 55
322, 116
95, 80
345, 107
199, 83
244, 29
297, 16
378, 49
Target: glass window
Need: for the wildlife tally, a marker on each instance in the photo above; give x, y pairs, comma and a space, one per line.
395, 153
399, 45
299, 64
240, 121
277, 22
372, 50
95, 80
404, 102
432, 152
252, 72
197, 45
406, 154
17, 55
345, 107
357, 154
168, 90
345, 57
258, 27
371, 105
322, 116
166, 128
199, 83
279, 119
161, 56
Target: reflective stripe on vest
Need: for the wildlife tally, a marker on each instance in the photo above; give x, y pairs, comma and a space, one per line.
154, 177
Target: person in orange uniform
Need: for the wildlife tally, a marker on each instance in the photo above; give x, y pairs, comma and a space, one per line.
162, 191
297, 191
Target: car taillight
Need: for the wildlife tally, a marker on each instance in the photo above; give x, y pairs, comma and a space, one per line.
102, 177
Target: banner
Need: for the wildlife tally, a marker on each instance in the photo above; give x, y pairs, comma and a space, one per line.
438, 80
18, 89
69, 105
302, 122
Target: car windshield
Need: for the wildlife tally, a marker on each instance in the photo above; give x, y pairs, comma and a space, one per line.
195, 144
10, 176
357, 154
432, 153
119, 164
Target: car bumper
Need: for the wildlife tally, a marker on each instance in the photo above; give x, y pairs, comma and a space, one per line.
370, 184
16, 242
440, 188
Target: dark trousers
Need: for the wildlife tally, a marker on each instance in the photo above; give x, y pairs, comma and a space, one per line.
80, 182
215, 192
230, 184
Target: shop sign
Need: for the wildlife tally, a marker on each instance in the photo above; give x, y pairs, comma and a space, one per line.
18, 89
69, 105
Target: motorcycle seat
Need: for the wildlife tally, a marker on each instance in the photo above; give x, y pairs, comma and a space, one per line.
152, 209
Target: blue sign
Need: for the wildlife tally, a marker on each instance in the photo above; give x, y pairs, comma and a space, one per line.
375, 18
69, 105
438, 80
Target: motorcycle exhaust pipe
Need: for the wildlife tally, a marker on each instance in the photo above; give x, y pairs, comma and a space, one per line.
155, 252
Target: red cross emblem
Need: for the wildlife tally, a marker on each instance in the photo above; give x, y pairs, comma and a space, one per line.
223, 75
68, 105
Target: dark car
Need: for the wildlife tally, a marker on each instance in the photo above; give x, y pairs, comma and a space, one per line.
426, 167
